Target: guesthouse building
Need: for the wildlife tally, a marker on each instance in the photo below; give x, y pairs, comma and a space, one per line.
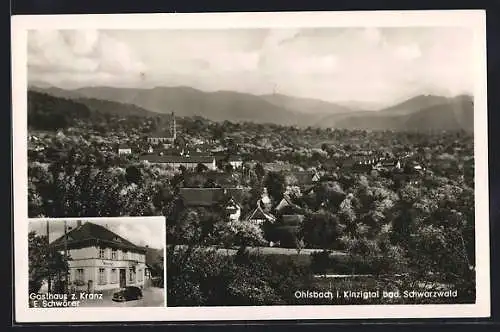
101, 260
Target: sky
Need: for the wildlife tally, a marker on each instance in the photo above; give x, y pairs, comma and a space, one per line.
366, 65
148, 232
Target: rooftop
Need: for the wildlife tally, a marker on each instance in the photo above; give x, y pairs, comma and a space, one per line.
89, 234
154, 158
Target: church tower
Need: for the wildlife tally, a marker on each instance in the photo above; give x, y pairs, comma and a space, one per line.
174, 126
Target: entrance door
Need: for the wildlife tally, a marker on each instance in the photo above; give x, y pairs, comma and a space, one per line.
123, 278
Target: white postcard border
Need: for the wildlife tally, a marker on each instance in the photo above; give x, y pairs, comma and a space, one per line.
454, 18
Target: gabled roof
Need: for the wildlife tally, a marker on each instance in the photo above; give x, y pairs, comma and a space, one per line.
259, 214
90, 234
284, 202
153, 158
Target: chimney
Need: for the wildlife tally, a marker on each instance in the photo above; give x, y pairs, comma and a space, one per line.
78, 223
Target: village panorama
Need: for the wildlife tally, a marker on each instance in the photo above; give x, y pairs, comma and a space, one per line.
269, 199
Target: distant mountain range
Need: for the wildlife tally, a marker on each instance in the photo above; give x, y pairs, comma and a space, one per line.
423, 112
420, 113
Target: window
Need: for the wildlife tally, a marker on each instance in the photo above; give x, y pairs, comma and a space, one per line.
114, 276
132, 275
102, 276
140, 275
114, 254
125, 254
79, 276
102, 253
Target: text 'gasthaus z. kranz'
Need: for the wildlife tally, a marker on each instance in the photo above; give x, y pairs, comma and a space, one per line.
54, 300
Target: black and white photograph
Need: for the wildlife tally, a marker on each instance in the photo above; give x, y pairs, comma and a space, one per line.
103, 262
292, 164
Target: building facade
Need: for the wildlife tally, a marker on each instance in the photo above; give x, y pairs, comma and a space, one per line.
101, 260
177, 161
124, 149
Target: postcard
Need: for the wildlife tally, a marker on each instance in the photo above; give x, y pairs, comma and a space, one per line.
250, 166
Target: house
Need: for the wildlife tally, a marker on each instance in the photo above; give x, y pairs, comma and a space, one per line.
286, 202
178, 161
124, 149
388, 164
259, 215
227, 198
316, 177
100, 259
235, 161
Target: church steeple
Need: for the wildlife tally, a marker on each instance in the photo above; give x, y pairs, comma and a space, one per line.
174, 126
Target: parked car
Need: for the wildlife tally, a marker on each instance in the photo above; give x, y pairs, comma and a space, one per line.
127, 294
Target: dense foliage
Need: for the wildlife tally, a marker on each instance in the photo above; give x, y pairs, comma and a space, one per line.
394, 223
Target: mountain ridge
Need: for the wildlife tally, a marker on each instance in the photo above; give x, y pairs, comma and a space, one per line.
277, 108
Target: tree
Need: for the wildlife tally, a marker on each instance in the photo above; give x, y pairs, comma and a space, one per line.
133, 174
43, 263
259, 170
275, 184
320, 261
244, 233
200, 168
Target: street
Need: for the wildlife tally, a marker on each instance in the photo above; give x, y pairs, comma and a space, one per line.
152, 297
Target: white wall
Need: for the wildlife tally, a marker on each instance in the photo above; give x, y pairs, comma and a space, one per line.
88, 260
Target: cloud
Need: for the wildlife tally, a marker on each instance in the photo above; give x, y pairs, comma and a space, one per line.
336, 64
81, 53
140, 233
373, 36
408, 52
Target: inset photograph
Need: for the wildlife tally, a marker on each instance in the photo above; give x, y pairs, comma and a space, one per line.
96, 262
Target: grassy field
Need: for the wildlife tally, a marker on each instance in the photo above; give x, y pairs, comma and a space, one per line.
303, 257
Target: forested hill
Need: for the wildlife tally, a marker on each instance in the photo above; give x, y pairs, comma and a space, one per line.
53, 110
50, 113
46, 112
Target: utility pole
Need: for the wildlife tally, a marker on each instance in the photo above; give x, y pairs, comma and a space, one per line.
66, 281
49, 281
